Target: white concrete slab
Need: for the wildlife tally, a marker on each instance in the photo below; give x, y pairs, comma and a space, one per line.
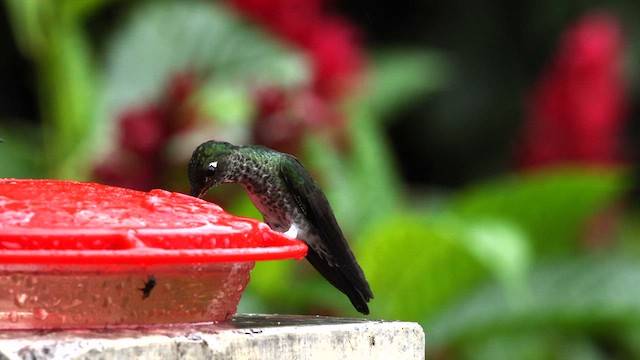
280, 337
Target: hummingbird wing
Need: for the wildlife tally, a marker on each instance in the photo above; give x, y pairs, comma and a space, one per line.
331, 255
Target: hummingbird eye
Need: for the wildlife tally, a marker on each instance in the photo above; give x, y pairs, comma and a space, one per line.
211, 168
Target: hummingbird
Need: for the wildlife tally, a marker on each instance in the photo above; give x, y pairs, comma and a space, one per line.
290, 201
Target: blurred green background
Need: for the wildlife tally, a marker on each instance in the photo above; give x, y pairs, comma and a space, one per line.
481, 157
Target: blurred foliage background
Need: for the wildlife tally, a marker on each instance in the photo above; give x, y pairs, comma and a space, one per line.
482, 157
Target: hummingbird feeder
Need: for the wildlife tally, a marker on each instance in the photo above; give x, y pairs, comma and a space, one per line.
85, 255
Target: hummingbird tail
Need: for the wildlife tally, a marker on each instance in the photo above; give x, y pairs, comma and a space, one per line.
348, 279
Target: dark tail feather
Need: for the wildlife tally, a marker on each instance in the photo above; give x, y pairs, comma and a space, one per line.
348, 279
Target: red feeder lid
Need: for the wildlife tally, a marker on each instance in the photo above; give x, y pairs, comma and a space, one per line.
68, 222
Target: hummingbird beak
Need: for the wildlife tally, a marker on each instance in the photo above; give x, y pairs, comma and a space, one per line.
196, 192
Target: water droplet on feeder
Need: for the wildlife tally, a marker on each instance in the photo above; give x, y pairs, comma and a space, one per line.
13, 316
40, 314
20, 299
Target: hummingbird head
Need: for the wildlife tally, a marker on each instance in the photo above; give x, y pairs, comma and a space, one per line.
209, 166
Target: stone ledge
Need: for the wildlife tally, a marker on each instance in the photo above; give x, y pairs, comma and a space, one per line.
280, 337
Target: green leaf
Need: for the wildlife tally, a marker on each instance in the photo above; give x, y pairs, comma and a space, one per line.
160, 38
226, 103
27, 26
551, 207
79, 10
373, 165
416, 266
534, 345
53, 36
329, 167
397, 79
368, 183
20, 150
68, 89
400, 77
502, 248
595, 295
362, 186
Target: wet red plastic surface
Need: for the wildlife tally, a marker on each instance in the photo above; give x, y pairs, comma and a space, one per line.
58, 222
84, 255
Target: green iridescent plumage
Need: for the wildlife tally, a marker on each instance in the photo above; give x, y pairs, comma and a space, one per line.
290, 202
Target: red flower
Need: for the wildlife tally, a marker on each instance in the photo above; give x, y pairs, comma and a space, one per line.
128, 170
336, 60
138, 162
142, 130
331, 42
576, 112
282, 118
274, 125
